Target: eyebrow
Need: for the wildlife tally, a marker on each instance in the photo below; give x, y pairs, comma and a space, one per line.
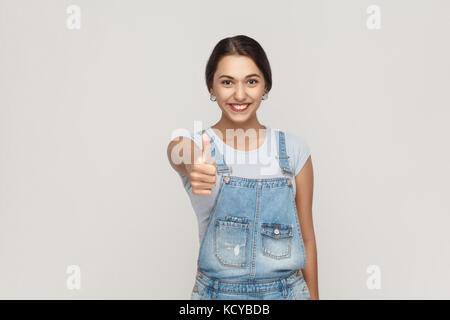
248, 76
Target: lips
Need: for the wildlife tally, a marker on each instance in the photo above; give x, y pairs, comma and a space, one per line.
236, 107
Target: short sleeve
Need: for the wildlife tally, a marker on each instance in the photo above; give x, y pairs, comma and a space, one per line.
299, 149
196, 137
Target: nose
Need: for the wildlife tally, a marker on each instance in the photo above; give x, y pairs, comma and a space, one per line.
240, 93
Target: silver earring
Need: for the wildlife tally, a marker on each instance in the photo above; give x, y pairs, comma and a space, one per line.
212, 97
265, 96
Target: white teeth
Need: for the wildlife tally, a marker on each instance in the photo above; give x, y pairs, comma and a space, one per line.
240, 107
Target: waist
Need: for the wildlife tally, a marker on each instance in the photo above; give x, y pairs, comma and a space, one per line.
251, 286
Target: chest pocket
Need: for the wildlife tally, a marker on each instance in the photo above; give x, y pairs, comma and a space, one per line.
231, 237
276, 240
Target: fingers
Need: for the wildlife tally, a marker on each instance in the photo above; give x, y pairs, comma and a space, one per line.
207, 169
202, 192
203, 172
202, 177
202, 185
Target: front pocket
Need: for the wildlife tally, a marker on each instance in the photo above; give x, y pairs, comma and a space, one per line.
231, 241
276, 240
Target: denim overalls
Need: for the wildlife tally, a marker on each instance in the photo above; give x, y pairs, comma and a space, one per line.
253, 247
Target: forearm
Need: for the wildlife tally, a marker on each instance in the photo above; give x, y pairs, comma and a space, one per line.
310, 270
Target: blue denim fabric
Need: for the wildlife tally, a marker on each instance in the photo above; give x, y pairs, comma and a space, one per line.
253, 247
293, 287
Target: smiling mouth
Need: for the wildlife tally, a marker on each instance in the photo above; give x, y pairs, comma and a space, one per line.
239, 107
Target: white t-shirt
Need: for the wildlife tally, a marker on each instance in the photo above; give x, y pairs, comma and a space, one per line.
258, 163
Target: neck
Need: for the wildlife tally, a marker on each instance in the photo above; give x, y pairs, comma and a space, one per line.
225, 123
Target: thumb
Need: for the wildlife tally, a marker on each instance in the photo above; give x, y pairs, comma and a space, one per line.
206, 150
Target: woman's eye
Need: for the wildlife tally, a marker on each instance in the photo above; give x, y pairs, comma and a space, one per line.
228, 82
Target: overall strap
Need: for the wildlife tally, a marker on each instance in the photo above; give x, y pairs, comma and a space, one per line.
220, 161
282, 155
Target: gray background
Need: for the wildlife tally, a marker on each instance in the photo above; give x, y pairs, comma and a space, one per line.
86, 116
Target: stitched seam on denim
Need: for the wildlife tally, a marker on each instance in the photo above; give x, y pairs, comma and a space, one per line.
266, 252
254, 243
219, 197
285, 230
242, 187
280, 178
233, 224
293, 292
250, 282
294, 282
199, 296
306, 292
253, 183
297, 221
216, 151
277, 187
254, 187
282, 152
265, 237
201, 288
220, 258
249, 292
262, 291
236, 219
206, 284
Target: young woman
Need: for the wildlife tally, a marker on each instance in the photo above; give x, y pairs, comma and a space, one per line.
255, 215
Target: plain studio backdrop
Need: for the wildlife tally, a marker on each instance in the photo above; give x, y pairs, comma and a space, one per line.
89, 205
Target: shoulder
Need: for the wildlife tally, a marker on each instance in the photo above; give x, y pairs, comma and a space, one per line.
195, 136
296, 141
298, 150
292, 140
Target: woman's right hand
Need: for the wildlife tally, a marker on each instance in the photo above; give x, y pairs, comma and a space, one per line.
202, 172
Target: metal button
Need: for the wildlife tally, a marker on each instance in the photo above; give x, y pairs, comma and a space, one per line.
276, 231
226, 179
289, 182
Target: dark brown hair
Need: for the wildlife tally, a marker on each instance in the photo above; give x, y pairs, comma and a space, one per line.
238, 45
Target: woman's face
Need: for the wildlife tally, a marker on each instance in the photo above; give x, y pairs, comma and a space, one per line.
239, 86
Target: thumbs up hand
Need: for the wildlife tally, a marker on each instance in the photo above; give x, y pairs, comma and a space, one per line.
203, 171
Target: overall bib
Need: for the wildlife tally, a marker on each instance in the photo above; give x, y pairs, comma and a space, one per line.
253, 247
